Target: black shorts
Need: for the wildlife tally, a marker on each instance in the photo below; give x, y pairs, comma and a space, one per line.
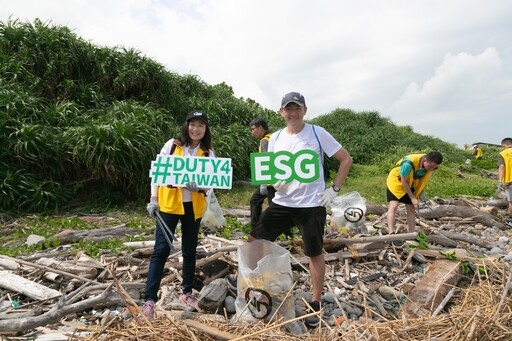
404, 200
277, 219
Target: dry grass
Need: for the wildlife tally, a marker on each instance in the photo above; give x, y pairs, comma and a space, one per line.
473, 315
480, 312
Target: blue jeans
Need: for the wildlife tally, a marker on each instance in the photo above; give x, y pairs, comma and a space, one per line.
189, 237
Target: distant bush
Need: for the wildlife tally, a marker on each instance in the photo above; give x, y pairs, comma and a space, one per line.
489, 160
370, 138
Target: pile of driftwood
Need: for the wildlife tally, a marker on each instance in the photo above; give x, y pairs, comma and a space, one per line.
450, 280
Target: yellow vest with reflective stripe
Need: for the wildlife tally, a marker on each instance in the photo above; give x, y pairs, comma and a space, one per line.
170, 199
506, 154
266, 138
395, 185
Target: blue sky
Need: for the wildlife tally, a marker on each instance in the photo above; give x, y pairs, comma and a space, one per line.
442, 67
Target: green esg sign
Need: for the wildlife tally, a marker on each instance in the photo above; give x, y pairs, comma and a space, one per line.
268, 167
207, 172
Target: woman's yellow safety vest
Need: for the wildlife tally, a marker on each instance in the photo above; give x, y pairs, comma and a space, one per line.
170, 199
417, 185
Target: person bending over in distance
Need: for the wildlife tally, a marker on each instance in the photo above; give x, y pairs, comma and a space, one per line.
477, 152
406, 184
505, 171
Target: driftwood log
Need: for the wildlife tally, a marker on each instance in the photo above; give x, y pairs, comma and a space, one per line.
237, 212
468, 239
96, 235
11, 281
334, 244
58, 311
461, 211
499, 203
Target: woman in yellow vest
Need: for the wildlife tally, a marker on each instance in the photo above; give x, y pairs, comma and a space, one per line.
505, 171
174, 204
406, 183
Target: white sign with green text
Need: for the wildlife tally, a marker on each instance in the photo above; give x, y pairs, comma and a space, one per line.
207, 172
268, 167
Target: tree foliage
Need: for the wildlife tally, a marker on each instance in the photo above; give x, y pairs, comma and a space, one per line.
73, 114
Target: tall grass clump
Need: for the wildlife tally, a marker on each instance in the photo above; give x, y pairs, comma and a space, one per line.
73, 114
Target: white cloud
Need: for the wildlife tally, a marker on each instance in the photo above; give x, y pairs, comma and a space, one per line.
445, 61
466, 94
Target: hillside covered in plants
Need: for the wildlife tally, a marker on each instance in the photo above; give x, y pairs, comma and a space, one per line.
83, 122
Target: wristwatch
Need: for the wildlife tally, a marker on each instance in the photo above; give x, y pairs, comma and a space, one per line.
336, 188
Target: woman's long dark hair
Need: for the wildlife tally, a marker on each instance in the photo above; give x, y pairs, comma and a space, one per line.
206, 141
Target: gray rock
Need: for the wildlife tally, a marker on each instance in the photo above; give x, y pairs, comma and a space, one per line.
299, 310
390, 293
354, 311
126, 315
133, 293
419, 258
229, 304
34, 239
508, 258
328, 297
296, 328
213, 295
337, 312
496, 251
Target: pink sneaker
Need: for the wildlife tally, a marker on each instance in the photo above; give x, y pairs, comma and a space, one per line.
189, 300
148, 310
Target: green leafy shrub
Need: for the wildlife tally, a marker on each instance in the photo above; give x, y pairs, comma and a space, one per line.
79, 121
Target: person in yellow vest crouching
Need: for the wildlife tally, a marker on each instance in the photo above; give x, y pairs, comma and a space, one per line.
477, 152
505, 171
406, 184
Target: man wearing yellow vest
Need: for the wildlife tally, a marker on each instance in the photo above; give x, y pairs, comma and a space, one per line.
259, 129
406, 184
505, 171
477, 152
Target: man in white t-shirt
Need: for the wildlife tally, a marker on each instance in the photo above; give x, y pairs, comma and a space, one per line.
303, 204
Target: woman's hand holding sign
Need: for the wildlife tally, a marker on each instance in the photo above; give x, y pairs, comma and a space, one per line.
192, 186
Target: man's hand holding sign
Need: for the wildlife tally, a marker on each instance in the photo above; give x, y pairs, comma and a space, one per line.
280, 168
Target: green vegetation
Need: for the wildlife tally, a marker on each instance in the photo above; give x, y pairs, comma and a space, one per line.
75, 116
47, 226
81, 123
96, 249
488, 160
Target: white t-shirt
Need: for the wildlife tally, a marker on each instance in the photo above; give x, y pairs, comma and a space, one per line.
301, 194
